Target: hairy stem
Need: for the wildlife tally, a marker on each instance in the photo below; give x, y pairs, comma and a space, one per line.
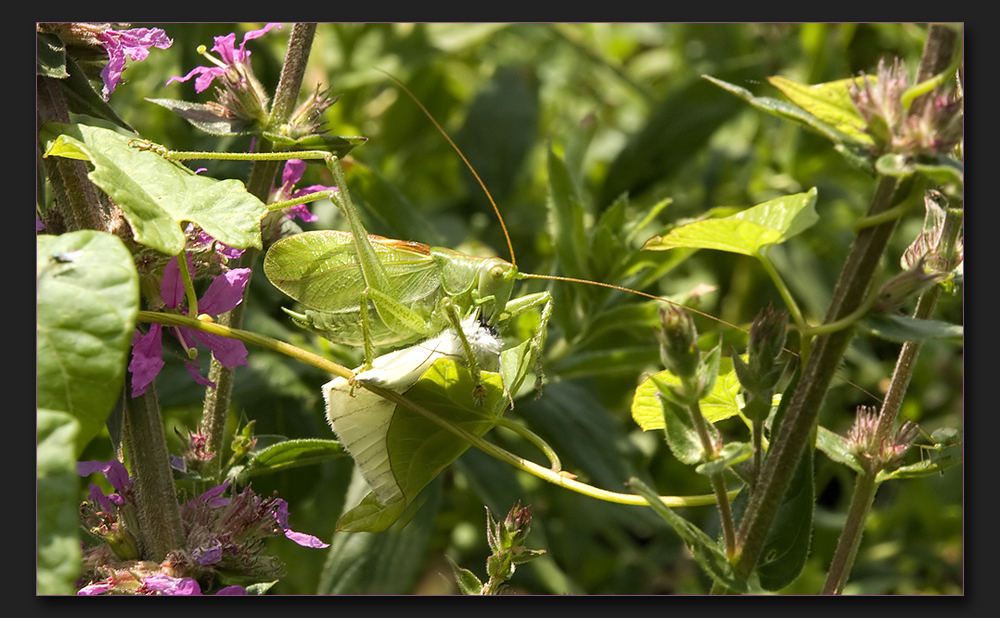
850, 539
865, 487
146, 443
79, 205
217, 400
800, 420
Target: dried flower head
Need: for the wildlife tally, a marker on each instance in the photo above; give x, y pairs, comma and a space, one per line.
874, 453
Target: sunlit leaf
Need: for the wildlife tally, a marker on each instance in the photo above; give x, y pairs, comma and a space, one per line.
723, 402
748, 232
830, 102
157, 195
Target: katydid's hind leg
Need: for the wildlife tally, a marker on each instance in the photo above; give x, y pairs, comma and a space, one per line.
366, 332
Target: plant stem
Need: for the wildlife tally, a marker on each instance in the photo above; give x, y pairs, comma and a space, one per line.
829, 349
217, 400
146, 443
718, 479
80, 206
850, 539
865, 487
800, 420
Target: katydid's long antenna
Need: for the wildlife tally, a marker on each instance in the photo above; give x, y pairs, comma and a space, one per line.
496, 209
636, 292
661, 299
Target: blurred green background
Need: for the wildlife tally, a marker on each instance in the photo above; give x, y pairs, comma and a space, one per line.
625, 106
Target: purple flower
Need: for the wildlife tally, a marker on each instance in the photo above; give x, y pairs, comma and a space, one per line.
113, 470
305, 540
135, 44
203, 239
223, 294
96, 588
240, 95
225, 537
183, 586
225, 46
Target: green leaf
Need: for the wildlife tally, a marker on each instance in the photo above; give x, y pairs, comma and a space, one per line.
776, 107
682, 438
786, 547
731, 454
290, 454
678, 128
506, 110
944, 170
900, 328
387, 563
748, 232
212, 119
50, 56
86, 303
830, 102
158, 195
835, 447
566, 219
706, 552
468, 583
339, 145
57, 503
723, 402
937, 461
370, 515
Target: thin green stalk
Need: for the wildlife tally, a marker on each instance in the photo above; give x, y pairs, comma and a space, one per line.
556, 477
718, 479
793, 308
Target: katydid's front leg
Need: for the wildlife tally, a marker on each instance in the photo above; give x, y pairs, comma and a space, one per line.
518, 306
479, 391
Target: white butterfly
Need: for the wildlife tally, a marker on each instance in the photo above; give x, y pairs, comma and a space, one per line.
361, 418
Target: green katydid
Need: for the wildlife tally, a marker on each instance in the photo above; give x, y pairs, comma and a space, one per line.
371, 291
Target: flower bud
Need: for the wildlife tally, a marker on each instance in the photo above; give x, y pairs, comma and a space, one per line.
678, 350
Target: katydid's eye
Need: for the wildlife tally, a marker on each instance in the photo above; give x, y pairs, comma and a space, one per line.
497, 272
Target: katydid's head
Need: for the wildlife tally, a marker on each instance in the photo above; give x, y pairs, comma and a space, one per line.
495, 286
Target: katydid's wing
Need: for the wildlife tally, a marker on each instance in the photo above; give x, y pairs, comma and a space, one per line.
322, 271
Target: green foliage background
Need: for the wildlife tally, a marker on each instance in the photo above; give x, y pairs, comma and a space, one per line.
624, 105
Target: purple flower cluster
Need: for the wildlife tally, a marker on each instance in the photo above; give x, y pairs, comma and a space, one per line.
223, 294
225, 535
